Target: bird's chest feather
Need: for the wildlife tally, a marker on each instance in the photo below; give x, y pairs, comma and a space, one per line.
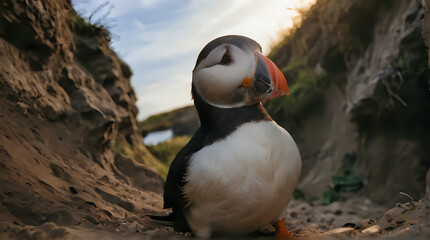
251, 168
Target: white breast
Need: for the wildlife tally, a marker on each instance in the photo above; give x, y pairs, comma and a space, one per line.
243, 182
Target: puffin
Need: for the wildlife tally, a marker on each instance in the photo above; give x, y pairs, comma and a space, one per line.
239, 170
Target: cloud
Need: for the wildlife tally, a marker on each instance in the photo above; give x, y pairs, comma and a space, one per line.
161, 39
139, 24
157, 97
149, 3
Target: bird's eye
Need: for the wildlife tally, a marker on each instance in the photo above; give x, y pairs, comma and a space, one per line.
226, 58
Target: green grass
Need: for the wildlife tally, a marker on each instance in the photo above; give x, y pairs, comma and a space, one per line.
165, 152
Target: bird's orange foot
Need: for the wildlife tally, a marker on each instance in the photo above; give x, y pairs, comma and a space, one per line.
282, 232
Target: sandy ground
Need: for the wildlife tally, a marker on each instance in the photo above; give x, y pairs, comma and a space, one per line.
354, 219
52, 190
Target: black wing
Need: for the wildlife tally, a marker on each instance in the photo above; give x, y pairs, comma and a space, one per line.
175, 181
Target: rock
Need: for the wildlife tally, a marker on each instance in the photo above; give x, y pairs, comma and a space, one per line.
64, 217
365, 223
349, 225
336, 231
73, 190
115, 200
140, 176
102, 216
27, 214
371, 230
60, 173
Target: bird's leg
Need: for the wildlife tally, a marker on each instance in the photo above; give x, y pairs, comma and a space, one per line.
282, 232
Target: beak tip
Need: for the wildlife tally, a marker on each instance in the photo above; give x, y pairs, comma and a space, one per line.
277, 78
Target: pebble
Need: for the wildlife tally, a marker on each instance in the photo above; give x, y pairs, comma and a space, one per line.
372, 229
73, 190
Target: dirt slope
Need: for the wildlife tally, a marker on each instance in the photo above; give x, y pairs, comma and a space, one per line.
66, 100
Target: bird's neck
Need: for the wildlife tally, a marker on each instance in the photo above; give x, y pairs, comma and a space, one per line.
220, 122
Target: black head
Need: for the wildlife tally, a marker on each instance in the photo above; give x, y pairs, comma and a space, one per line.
232, 72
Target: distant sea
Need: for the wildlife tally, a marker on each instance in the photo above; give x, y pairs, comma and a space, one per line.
157, 137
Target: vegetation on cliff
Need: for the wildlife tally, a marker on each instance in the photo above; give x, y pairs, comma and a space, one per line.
183, 121
378, 66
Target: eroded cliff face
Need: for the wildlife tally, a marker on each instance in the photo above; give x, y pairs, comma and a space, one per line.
360, 88
66, 100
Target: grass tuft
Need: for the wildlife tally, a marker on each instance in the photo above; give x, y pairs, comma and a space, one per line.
82, 27
165, 152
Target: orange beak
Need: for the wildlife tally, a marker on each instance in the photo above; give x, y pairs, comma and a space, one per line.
268, 79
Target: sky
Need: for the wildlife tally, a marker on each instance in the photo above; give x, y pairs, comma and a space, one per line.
161, 39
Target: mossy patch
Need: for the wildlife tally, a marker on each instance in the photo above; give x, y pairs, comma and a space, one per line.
298, 194
343, 181
304, 96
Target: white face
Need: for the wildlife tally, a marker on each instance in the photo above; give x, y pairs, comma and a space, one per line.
218, 78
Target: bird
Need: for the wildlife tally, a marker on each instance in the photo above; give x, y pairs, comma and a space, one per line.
239, 170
